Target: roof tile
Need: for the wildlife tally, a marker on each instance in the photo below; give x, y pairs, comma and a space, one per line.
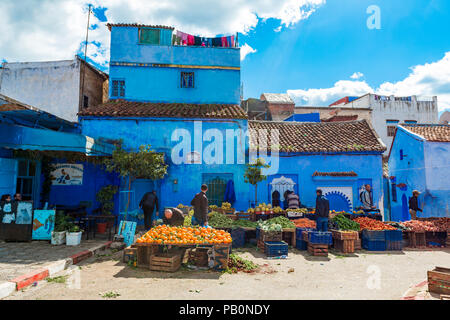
297, 137
122, 108
431, 132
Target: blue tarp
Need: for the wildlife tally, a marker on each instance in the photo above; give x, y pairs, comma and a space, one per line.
305, 117
25, 138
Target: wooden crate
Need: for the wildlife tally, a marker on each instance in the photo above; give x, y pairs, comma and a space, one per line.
199, 257
144, 253
268, 236
416, 239
221, 256
318, 250
345, 246
289, 236
348, 235
168, 262
129, 254
439, 280
358, 244
261, 246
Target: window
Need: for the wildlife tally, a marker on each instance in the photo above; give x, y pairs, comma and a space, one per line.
391, 127
217, 184
187, 80
85, 101
149, 36
26, 179
118, 88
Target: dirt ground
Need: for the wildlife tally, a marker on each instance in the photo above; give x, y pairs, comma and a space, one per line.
363, 276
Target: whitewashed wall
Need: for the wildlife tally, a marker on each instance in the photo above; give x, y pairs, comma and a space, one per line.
50, 86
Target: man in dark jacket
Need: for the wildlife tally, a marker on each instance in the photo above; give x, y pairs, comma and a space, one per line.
148, 203
200, 204
173, 217
323, 211
414, 205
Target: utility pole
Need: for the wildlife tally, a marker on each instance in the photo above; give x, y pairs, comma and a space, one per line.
85, 59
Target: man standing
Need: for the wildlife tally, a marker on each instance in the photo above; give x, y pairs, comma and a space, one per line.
366, 198
414, 205
148, 203
323, 211
200, 204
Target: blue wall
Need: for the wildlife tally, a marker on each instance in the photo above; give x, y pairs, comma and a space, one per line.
162, 84
425, 167
368, 167
158, 133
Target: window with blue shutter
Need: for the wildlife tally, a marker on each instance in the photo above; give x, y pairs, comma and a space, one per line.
187, 80
149, 36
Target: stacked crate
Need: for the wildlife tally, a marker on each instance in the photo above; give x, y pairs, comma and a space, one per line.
166, 262
318, 242
374, 240
394, 240
344, 241
268, 236
276, 249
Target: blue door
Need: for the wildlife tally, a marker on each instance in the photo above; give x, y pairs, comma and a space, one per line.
8, 176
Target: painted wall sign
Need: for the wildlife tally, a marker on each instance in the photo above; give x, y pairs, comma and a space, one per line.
43, 224
127, 231
24, 214
66, 174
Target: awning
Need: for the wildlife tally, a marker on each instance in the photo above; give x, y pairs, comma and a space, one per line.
25, 138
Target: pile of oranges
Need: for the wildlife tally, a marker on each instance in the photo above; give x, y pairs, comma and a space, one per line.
185, 235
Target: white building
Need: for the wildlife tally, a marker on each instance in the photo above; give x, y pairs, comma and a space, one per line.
388, 112
55, 86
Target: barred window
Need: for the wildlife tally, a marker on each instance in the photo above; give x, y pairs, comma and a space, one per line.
118, 88
391, 131
187, 80
149, 36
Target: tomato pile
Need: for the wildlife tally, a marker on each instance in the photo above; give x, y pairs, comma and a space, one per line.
371, 224
305, 223
182, 235
421, 226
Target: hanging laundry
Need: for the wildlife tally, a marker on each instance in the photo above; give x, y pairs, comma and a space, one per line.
224, 42
198, 41
191, 40
216, 42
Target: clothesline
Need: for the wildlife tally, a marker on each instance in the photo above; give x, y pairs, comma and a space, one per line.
185, 39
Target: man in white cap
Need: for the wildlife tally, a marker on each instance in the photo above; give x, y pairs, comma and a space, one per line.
414, 205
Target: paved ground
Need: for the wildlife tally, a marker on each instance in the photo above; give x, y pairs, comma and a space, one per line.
361, 276
17, 259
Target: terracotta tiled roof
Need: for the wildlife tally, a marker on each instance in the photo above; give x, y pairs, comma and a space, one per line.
335, 174
341, 118
431, 132
12, 107
122, 108
352, 136
137, 25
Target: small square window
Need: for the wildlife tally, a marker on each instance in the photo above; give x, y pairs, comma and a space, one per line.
391, 131
187, 80
149, 36
85, 102
118, 88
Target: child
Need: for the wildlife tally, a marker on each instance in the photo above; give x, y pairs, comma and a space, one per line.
6, 209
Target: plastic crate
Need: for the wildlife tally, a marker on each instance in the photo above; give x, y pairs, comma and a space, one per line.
317, 237
299, 231
374, 235
373, 245
393, 235
276, 249
394, 245
238, 236
301, 245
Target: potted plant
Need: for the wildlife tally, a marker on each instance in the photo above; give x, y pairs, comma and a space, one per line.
106, 198
60, 230
73, 237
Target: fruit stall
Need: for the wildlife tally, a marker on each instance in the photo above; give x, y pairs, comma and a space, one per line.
165, 248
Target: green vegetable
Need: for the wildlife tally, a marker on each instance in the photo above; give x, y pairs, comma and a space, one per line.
219, 220
245, 224
284, 222
345, 224
267, 226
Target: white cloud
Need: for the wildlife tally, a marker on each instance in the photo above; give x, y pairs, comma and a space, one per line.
245, 50
49, 30
429, 79
325, 96
357, 75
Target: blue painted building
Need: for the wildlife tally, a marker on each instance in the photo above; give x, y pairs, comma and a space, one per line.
304, 117
184, 102
337, 157
419, 159
25, 128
